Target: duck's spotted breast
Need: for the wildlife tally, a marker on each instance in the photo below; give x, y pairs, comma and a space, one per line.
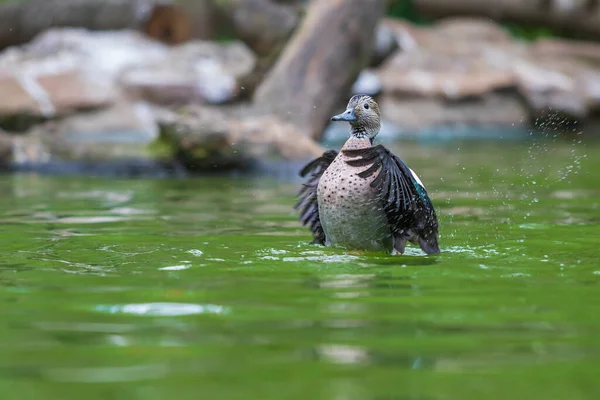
351, 214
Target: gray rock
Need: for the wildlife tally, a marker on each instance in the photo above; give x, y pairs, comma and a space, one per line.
67, 70
471, 29
121, 133
450, 74
49, 95
209, 138
367, 83
385, 44
195, 72
409, 37
489, 109
561, 84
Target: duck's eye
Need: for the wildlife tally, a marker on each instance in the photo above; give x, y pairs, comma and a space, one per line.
366, 106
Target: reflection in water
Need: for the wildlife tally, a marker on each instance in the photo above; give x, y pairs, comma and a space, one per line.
163, 309
106, 374
175, 267
342, 354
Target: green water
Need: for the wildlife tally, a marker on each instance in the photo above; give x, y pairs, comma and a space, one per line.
206, 288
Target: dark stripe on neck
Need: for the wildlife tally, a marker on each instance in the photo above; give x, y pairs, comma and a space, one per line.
360, 132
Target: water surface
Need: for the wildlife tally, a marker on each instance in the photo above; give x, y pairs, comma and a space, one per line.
206, 287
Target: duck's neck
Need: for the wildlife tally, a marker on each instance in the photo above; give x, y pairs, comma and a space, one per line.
359, 132
359, 139
355, 143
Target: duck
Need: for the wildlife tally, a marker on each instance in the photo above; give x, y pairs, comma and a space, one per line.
364, 197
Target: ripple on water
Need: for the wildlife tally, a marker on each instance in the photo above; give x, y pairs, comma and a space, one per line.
163, 309
107, 374
478, 252
175, 267
111, 198
332, 258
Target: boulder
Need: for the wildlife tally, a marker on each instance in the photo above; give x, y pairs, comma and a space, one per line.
49, 95
31, 96
211, 138
469, 70
120, 133
584, 51
68, 69
471, 29
408, 36
385, 45
450, 75
367, 83
413, 113
567, 84
101, 55
551, 86
195, 72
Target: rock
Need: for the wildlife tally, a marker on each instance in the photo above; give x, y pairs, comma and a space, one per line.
408, 36
6, 149
471, 29
66, 70
562, 75
208, 138
367, 83
101, 55
562, 84
584, 51
428, 73
195, 72
29, 149
469, 71
451, 60
385, 44
487, 109
122, 132
35, 94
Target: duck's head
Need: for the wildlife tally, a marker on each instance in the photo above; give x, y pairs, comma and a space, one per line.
362, 112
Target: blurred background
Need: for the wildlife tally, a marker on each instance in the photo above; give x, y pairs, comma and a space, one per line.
217, 85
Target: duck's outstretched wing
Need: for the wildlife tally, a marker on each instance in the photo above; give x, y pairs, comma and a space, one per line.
406, 203
307, 198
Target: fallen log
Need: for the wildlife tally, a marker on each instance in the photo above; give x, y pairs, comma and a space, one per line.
265, 27
576, 16
20, 22
320, 62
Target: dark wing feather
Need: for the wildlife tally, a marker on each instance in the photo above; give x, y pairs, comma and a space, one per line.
406, 203
307, 197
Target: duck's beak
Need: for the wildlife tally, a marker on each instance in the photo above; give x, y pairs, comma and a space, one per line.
347, 115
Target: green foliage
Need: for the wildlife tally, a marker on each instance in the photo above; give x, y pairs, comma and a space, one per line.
405, 9
529, 32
